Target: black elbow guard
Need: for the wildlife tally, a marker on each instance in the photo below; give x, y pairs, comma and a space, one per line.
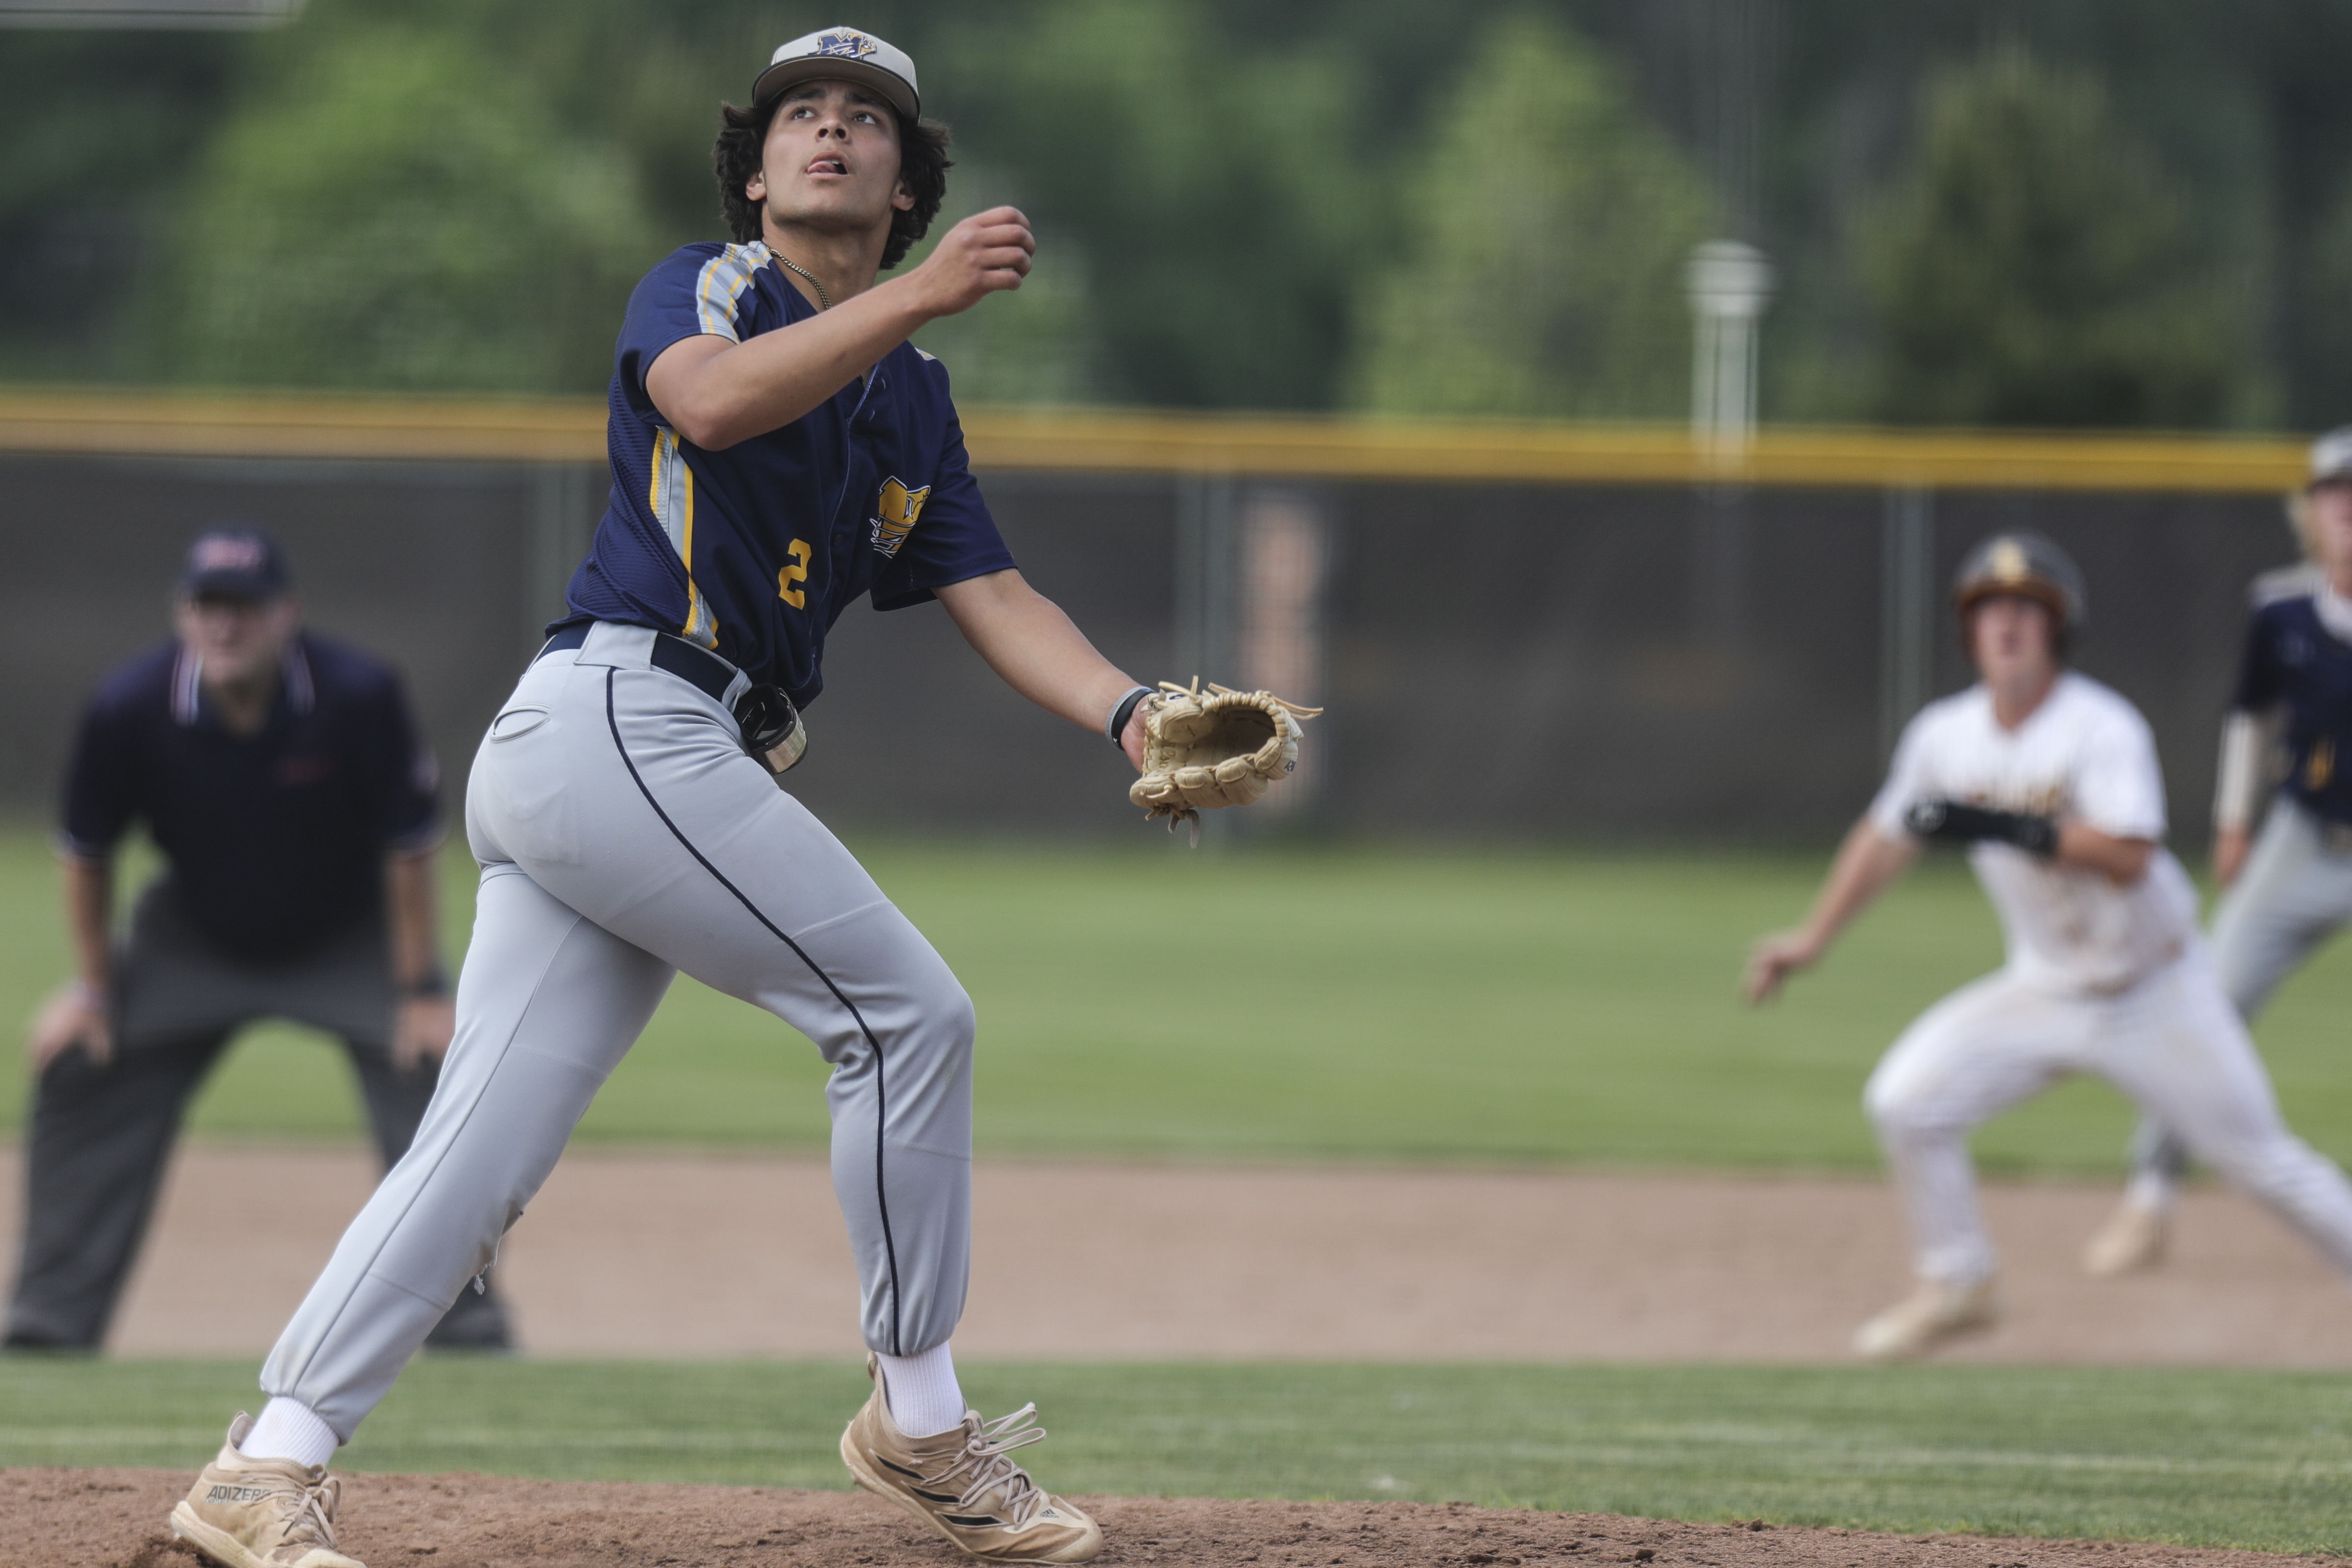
1949, 822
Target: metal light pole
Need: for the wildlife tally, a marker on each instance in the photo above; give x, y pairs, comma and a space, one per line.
1729, 284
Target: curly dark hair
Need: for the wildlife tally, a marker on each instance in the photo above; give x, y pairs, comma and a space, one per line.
923, 166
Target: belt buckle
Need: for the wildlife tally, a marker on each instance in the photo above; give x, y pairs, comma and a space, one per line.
771, 729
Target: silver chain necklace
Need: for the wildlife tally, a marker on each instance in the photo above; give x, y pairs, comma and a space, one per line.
825, 301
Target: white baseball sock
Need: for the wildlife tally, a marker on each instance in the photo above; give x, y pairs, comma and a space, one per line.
2152, 1190
922, 1390
290, 1429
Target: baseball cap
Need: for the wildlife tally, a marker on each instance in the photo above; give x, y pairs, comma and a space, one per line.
2023, 562
849, 54
2331, 456
234, 563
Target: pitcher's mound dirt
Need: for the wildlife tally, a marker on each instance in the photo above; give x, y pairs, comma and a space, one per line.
114, 1519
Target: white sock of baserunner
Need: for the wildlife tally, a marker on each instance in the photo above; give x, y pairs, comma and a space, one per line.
922, 1390
2150, 1190
288, 1429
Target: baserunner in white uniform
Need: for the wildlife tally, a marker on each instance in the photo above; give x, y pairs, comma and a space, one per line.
779, 451
2291, 891
2051, 780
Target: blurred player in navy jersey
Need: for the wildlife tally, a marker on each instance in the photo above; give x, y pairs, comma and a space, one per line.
2290, 890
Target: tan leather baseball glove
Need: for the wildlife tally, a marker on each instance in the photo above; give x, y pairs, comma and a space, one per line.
1203, 750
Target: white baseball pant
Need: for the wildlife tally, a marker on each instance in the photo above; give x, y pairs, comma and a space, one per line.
2172, 1043
624, 835
2293, 894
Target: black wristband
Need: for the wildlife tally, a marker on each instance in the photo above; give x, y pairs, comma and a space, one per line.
1949, 822
1123, 712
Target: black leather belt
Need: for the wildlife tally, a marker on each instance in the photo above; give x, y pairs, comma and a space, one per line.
691, 664
769, 724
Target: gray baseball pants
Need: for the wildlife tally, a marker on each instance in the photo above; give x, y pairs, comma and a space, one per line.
623, 836
2294, 893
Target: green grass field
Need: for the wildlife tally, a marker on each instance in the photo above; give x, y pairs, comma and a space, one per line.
2205, 1457
1364, 1003
1526, 1007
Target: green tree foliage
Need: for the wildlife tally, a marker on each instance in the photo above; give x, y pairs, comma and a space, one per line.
1240, 206
100, 128
1544, 231
389, 209
1040, 344
2326, 341
2031, 267
1212, 191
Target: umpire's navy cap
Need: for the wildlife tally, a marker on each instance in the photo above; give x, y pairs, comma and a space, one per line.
852, 55
234, 563
2022, 563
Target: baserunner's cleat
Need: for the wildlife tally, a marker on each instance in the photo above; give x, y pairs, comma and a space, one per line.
965, 1484
261, 1513
2133, 1238
1925, 1319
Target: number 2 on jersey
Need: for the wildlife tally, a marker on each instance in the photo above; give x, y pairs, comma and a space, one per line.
795, 570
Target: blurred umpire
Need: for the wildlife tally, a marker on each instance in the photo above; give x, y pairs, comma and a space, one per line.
281, 777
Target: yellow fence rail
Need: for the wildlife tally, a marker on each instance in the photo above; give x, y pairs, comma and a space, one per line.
1098, 440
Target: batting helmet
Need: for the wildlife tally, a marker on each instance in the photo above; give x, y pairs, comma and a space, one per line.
2024, 563
2331, 457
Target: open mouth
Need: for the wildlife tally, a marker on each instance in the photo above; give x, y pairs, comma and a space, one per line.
828, 166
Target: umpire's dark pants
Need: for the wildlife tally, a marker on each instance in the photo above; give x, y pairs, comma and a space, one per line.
100, 1135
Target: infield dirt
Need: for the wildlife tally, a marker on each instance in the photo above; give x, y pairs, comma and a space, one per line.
1240, 1264
113, 1519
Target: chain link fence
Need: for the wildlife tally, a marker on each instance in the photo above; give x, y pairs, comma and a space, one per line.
1595, 662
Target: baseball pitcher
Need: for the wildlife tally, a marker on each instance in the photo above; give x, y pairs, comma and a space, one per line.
2050, 781
779, 449
2292, 889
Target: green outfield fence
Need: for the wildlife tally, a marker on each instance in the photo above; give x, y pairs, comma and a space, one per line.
1587, 631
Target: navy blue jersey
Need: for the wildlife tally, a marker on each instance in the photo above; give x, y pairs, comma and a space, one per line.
274, 841
754, 552
2294, 662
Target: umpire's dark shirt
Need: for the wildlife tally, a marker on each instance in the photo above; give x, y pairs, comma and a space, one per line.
276, 841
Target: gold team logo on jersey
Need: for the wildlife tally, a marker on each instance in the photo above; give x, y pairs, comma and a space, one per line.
2053, 799
899, 508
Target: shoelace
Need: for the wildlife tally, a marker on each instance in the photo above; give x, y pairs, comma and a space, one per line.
313, 1517
1170, 690
987, 1459
1193, 690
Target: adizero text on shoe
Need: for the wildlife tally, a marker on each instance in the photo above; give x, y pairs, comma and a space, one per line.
965, 1484
261, 1513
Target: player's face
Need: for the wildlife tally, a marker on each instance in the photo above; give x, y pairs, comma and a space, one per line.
239, 640
2009, 636
2331, 527
830, 160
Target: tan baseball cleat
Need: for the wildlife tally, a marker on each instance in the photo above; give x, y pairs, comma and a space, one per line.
261, 1513
1925, 1319
965, 1484
2133, 1237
